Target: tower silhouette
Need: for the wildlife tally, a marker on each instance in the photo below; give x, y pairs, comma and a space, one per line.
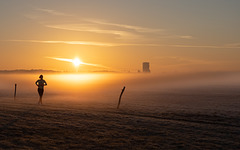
146, 67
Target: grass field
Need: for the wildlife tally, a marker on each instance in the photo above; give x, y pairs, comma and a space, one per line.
146, 120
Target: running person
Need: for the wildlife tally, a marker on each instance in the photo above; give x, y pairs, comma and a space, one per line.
40, 83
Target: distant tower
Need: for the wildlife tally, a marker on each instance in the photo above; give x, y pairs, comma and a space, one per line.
146, 67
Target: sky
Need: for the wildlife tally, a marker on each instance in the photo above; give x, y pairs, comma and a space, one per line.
114, 35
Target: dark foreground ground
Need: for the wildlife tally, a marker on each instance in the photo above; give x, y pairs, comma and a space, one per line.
151, 121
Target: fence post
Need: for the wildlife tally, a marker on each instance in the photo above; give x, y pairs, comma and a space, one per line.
15, 91
120, 97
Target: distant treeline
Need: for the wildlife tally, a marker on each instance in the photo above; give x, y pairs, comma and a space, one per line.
49, 71
28, 71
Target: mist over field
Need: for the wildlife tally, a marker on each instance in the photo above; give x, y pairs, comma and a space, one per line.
190, 111
145, 90
89, 84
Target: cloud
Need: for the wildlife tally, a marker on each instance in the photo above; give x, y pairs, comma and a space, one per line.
136, 28
94, 29
42, 16
103, 44
52, 12
121, 31
186, 37
234, 45
67, 42
118, 30
205, 46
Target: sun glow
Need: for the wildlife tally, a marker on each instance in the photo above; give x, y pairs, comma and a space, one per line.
76, 79
76, 62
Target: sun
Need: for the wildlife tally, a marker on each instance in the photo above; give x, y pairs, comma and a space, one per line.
76, 62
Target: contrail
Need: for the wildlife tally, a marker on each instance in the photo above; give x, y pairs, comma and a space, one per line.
81, 63
61, 59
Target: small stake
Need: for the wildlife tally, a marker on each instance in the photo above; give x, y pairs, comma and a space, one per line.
15, 91
120, 97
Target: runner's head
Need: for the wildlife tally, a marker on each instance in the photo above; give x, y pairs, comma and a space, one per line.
41, 76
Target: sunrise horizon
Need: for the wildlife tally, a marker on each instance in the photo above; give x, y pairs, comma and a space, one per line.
192, 43
120, 74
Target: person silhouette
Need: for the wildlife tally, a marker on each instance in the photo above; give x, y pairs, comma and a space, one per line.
40, 83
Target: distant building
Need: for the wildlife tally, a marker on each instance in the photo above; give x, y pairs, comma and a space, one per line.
146, 67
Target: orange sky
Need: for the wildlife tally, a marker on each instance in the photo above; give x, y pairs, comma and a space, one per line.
173, 36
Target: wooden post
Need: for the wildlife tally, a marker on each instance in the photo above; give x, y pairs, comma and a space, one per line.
15, 91
120, 97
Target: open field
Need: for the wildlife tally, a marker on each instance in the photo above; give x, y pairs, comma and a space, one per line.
146, 120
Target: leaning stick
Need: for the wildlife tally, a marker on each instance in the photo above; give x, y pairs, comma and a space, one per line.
120, 97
